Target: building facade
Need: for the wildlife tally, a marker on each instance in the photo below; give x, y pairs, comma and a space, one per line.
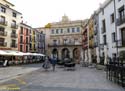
120, 23
91, 51
24, 38
85, 42
66, 39
40, 41
9, 26
110, 26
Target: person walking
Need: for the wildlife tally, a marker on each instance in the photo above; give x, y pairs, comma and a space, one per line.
46, 64
53, 62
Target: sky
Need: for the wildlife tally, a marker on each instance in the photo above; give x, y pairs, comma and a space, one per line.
38, 13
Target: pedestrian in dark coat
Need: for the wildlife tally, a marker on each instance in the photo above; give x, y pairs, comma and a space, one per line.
53, 62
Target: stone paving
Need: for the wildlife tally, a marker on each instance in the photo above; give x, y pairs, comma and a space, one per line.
82, 79
7, 73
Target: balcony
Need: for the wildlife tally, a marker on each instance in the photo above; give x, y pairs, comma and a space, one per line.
13, 45
13, 35
65, 44
120, 21
3, 33
3, 23
21, 42
14, 26
3, 44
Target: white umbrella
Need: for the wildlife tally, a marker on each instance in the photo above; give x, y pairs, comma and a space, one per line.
27, 54
38, 54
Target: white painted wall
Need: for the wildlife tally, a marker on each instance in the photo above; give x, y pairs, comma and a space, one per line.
110, 28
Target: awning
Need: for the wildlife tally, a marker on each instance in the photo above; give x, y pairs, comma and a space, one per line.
18, 53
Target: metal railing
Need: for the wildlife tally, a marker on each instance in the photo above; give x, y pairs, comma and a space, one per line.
13, 35
3, 23
13, 45
14, 26
3, 44
120, 21
115, 70
3, 33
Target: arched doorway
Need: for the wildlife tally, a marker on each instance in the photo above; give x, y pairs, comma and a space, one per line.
65, 53
55, 53
76, 53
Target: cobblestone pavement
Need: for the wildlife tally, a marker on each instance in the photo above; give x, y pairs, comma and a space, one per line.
82, 79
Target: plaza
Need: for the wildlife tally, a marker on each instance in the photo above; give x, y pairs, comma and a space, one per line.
35, 78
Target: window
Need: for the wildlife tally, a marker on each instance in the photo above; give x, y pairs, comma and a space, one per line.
121, 13
113, 37
1, 29
73, 30
55, 42
78, 29
21, 48
3, 9
103, 26
2, 19
1, 41
52, 31
123, 36
21, 39
13, 23
104, 39
30, 38
57, 31
112, 18
34, 46
13, 43
14, 14
65, 41
26, 31
61, 30
21, 30
76, 41
68, 30
30, 46
26, 48
26, 39
13, 32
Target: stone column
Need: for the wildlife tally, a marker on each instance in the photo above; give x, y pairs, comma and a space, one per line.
106, 53
60, 54
71, 53
86, 56
97, 54
89, 55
